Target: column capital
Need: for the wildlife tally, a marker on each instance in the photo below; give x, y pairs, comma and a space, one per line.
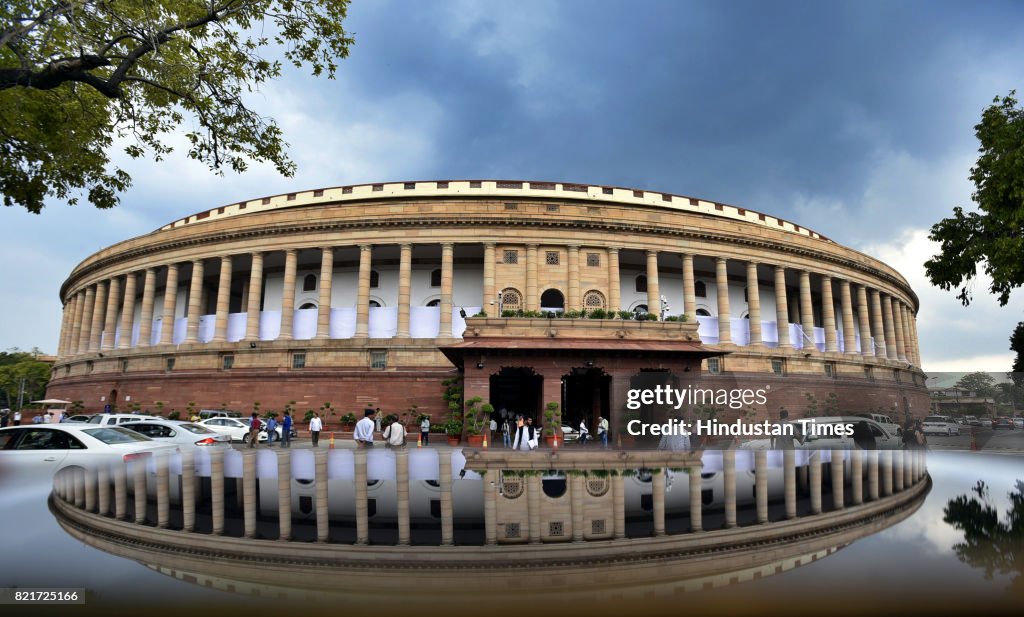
751, 262
573, 247
721, 260
780, 268
613, 249
224, 258
405, 246
447, 245
198, 261
490, 245
532, 245
651, 252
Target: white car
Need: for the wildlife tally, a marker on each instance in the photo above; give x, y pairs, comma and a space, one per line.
107, 419
890, 427
940, 425
185, 435
235, 428
826, 434
52, 447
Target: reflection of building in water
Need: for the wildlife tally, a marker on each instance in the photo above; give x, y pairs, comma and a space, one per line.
360, 294
584, 526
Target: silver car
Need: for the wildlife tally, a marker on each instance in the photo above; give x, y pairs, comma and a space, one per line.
940, 425
185, 435
51, 447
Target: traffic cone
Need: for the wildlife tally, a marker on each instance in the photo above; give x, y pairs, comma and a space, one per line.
485, 441
419, 441
332, 441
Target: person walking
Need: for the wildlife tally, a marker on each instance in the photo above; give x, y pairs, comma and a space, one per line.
17, 418
363, 435
506, 433
315, 426
526, 436
425, 430
254, 430
271, 430
584, 432
394, 435
492, 428
286, 430
602, 431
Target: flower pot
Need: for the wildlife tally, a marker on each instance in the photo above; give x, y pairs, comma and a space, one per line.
453, 440
551, 442
475, 441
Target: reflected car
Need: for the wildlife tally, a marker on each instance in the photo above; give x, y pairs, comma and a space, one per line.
569, 434
185, 435
52, 447
821, 434
1003, 423
78, 418
940, 425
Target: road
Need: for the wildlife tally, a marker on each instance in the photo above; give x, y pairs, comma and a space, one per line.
986, 439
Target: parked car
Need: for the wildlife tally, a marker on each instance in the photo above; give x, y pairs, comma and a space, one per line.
206, 414
569, 434
1018, 422
972, 421
940, 425
1003, 423
822, 434
236, 429
119, 418
52, 447
891, 427
78, 418
186, 435
986, 421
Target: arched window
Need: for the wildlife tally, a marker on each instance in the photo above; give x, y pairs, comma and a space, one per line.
309, 282
641, 283
552, 299
640, 309
511, 299
435, 278
307, 305
700, 289
593, 300
374, 279
703, 313
434, 302
374, 304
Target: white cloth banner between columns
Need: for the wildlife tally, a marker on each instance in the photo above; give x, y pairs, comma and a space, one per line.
237, 323
383, 321
270, 325
304, 324
180, 330
207, 326
343, 322
424, 321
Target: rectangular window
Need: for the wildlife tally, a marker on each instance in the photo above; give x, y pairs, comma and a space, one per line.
169, 363
594, 259
88, 366
779, 366
318, 193
552, 207
379, 359
896, 375
410, 186
442, 185
714, 366
298, 359
607, 190
124, 366
474, 184
378, 187
227, 361
830, 369
511, 257
511, 206
868, 374
551, 258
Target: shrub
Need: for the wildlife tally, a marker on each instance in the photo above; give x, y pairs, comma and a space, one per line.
174, 415
673, 318
648, 317
480, 314
598, 314
625, 314
572, 314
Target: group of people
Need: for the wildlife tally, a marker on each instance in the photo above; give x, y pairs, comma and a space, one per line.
256, 426
9, 418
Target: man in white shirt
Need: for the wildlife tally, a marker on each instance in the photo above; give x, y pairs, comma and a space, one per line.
17, 418
425, 430
364, 430
315, 426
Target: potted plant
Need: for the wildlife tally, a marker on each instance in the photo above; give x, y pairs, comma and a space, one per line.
348, 422
473, 423
552, 424
454, 430
486, 413
411, 419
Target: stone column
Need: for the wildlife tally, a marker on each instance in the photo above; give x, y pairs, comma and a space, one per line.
284, 496
490, 299
110, 323
402, 495
323, 313
576, 485
249, 492
170, 305
814, 471
323, 520
689, 294
404, 283
863, 313
99, 305
619, 507
89, 482
163, 492
849, 335
917, 339
120, 490
729, 478
447, 274
653, 289
722, 289
828, 312
188, 491
789, 481
857, 476
447, 516
753, 303
897, 322
575, 303
195, 295
696, 507
490, 512
889, 327
807, 311
146, 318
76, 324
80, 488
363, 295
877, 330
291, 262
217, 492
533, 490
66, 308
139, 490
252, 308
897, 470
908, 468
761, 485
614, 284
908, 346
89, 306
220, 328
838, 498
362, 507
873, 475
781, 307
127, 312
658, 499
886, 456
103, 485
532, 299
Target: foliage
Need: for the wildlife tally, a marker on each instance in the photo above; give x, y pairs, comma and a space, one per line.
174, 415
572, 314
480, 313
598, 314
994, 236
190, 409
76, 77
21, 367
472, 417
552, 419
1017, 346
625, 314
349, 418
979, 382
989, 543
